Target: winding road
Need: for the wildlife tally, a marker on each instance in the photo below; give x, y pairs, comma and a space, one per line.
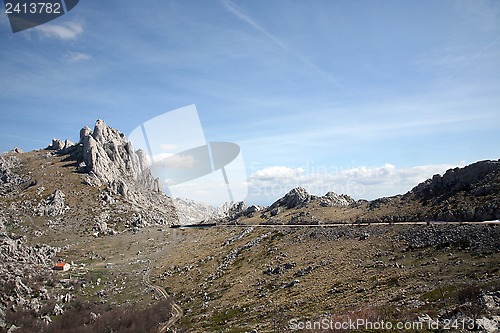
160, 291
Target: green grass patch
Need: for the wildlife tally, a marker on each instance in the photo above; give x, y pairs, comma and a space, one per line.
439, 294
221, 318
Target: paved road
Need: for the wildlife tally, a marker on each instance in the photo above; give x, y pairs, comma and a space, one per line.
331, 225
160, 291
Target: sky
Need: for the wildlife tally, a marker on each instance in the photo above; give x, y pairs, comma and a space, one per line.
366, 98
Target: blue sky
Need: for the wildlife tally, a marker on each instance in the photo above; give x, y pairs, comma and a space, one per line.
362, 97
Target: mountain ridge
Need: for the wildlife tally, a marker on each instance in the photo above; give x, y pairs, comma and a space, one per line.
471, 193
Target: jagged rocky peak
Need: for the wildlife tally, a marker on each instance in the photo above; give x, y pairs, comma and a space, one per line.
299, 197
106, 159
106, 154
295, 198
192, 212
16, 150
103, 133
232, 208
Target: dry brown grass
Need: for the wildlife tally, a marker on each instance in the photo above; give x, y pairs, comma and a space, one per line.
337, 276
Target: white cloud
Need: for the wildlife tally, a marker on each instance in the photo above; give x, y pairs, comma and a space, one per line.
74, 57
64, 31
277, 172
179, 161
268, 184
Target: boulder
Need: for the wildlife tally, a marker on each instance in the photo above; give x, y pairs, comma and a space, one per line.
16, 150
7, 166
54, 205
101, 227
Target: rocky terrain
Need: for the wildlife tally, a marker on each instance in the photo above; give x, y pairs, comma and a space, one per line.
243, 279
94, 204
97, 187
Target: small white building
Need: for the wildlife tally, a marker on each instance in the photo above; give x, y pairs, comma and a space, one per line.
62, 266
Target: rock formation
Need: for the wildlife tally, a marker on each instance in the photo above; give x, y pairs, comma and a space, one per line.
105, 154
332, 199
9, 179
192, 212
18, 261
477, 179
295, 198
471, 193
298, 197
53, 206
106, 159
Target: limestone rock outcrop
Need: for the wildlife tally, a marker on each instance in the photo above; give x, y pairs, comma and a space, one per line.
17, 261
107, 155
332, 199
9, 179
474, 178
107, 160
295, 198
55, 205
471, 193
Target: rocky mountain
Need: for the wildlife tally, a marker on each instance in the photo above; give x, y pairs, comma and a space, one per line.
332, 199
107, 161
298, 197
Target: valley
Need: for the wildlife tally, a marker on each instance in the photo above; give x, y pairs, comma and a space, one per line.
425, 257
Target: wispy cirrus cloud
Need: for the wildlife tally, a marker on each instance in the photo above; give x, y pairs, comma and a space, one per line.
64, 31
231, 7
73, 57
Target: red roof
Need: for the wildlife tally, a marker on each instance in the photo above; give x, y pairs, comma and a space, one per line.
60, 265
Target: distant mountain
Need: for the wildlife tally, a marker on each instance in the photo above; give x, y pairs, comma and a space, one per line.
471, 194
193, 212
